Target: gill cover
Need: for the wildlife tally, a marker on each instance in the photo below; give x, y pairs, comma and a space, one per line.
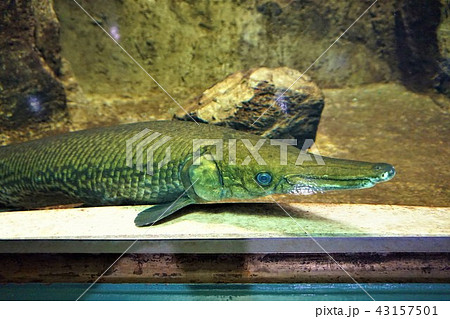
206, 178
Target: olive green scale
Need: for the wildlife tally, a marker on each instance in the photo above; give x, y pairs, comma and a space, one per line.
90, 167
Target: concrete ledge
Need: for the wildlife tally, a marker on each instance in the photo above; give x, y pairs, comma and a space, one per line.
231, 228
225, 221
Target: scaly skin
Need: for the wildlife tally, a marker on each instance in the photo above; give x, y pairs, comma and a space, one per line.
90, 167
87, 167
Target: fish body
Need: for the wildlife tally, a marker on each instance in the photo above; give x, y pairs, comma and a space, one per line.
168, 163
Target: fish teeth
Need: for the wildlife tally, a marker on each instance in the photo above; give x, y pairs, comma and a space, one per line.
300, 189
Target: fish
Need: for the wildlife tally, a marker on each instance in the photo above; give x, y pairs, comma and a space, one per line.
170, 164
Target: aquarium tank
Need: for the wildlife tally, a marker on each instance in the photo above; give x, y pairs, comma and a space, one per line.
221, 143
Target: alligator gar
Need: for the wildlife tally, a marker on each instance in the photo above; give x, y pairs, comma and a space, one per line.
171, 164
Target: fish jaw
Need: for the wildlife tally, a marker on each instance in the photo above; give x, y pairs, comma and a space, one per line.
358, 176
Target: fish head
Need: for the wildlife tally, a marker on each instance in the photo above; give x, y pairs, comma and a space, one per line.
247, 174
298, 172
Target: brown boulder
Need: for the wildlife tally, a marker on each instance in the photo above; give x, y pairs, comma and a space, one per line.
262, 101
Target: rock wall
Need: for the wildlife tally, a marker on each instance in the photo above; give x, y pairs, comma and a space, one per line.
442, 81
416, 24
188, 46
30, 89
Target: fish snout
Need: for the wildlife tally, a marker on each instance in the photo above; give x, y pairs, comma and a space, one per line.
383, 172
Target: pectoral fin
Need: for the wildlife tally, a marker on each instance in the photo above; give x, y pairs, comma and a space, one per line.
155, 213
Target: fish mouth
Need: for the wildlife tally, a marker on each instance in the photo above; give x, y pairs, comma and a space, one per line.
308, 184
384, 171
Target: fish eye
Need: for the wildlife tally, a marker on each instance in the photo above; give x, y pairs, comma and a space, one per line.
263, 178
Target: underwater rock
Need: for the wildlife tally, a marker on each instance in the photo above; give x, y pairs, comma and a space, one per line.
30, 90
416, 25
262, 101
